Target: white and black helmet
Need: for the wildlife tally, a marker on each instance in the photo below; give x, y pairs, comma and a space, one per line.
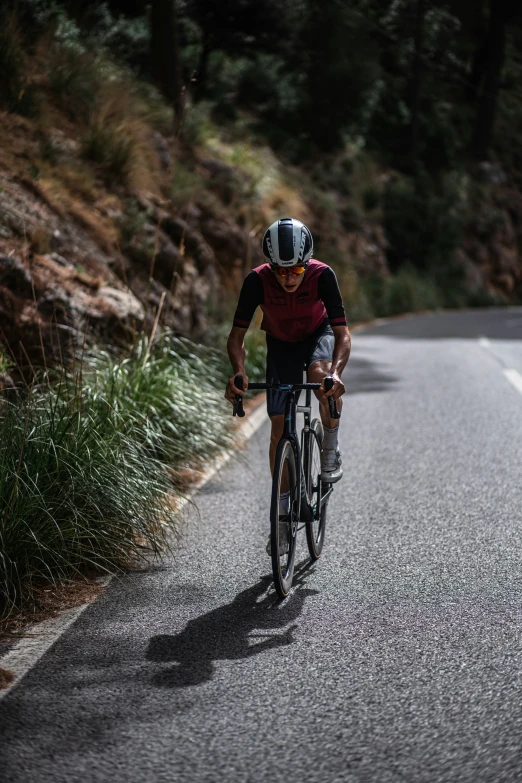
287, 242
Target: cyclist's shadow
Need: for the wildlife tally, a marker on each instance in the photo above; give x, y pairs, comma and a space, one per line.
226, 633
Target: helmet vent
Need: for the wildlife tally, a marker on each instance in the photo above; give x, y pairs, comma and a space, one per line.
286, 241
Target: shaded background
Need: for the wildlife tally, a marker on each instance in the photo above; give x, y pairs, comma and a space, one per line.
145, 147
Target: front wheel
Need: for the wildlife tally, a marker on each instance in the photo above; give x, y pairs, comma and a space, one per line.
283, 526
315, 489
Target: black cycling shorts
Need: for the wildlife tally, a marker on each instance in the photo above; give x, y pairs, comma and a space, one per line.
285, 362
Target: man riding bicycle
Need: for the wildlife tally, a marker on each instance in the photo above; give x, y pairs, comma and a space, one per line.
305, 325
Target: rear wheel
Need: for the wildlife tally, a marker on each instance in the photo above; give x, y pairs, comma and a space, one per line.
315, 489
283, 526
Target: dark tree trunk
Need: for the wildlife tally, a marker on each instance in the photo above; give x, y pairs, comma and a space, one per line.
492, 69
165, 65
202, 70
416, 84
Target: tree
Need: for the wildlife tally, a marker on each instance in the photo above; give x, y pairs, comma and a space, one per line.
164, 53
338, 60
420, 9
239, 27
488, 69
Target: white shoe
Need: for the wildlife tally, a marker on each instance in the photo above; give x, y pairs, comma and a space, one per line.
331, 466
283, 539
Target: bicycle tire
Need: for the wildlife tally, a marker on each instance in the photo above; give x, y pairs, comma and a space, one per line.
315, 527
283, 564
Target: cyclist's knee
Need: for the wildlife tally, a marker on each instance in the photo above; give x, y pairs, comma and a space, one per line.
318, 370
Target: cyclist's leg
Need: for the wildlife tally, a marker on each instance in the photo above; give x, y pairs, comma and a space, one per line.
319, 364
284, 364
319, 367
316, 372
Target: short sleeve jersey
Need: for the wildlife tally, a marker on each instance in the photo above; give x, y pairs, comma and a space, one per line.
291, 317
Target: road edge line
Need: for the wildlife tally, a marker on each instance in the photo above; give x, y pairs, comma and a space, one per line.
514, 378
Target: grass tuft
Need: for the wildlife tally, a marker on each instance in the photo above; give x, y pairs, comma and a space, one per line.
87, 462
167, 396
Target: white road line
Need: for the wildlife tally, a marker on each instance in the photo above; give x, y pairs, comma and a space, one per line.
514, 378
249, 427
484, 342
26, 653
38, 639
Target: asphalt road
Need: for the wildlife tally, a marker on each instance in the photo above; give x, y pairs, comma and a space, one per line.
398, 656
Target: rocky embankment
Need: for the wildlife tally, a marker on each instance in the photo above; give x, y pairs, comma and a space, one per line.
100, 263
82, 253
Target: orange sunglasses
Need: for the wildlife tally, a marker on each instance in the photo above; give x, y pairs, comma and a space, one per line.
289, 270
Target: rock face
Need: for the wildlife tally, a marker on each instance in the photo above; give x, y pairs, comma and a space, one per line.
62, 277
48, 307
79, 259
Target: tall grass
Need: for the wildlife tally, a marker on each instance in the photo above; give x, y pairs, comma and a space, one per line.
75, 493
86, 463
168, 396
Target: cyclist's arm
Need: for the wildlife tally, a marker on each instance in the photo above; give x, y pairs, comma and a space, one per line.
341, 354
329, 292
236, 349
250, 297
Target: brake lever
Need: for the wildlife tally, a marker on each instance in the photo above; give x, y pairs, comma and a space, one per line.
334, 413
238, 409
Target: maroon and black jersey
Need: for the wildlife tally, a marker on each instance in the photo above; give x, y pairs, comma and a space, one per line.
291, 317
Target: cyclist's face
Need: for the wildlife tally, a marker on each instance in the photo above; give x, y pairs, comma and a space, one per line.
291, 282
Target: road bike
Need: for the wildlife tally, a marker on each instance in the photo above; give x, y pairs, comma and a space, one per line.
297, 469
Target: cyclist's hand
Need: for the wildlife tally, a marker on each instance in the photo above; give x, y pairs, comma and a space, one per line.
338, 388
232, 390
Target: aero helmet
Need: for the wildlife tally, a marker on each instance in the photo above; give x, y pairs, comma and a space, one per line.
287, 242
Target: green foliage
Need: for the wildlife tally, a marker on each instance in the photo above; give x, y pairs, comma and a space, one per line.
127, 38
409, 291
423, 223
187, 185
6, 363
132, 221
83, 467
110, 147
197, 123
74, 80
17, 92
255, 363
338, 57
164, 397
75, 492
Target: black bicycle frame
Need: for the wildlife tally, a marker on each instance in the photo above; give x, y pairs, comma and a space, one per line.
290, 421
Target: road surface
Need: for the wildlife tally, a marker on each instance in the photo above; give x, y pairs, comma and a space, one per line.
398, 656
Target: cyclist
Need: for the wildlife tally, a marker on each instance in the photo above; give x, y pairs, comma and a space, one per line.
305, 325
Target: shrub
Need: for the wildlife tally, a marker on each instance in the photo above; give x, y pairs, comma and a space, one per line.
133, 221
255, 364
75, 493
409, 292
422, 223
355, 296
85, 464
112, 147
17, 93
186, 185
74, 79
166, 395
